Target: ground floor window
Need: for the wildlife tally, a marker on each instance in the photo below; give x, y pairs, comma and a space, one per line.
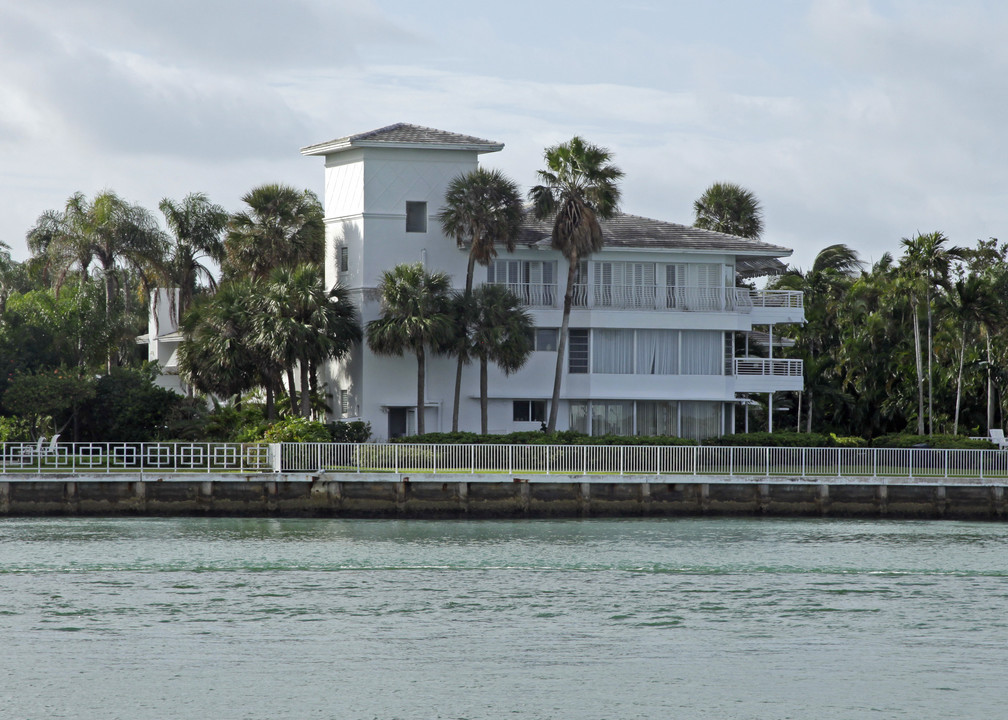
528, 411
689, 419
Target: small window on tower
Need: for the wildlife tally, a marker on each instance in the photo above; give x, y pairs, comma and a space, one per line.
344, 259
344, 401
416, 217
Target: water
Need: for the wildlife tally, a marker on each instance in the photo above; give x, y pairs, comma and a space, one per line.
739, 618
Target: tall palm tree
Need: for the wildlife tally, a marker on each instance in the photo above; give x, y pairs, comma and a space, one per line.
501, 334
925, 265
484, 209
729, 208
578, 187
415, 316
221, 353
306, 324
112, 232
824, 285
196, 226
972, 304
282, 227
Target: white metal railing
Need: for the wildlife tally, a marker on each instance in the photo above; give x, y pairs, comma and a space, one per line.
741, 463
113, 457
643, 462
777, 298
765, 367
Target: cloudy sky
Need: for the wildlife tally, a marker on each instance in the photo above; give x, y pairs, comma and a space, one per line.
854, 121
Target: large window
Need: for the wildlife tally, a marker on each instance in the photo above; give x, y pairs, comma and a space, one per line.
618, 351
544, 339
528, 411
613, 351
690, 419
702, 352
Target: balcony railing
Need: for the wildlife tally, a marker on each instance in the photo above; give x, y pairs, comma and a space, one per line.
765, 367
655, 297
777, 298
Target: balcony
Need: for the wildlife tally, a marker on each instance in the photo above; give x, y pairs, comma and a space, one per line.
788, 304
768, 375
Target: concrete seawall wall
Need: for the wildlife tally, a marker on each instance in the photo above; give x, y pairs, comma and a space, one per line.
454, 496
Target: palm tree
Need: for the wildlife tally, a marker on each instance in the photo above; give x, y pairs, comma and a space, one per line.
108, 230
415, 316
972, 303
501, 334
729, 208
823, 286
926, 263
196, 225
306, 324
484, 209
578, 187
282, 227
221, 353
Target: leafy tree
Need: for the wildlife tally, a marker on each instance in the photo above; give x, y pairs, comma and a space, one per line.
196, 226
415, 316
306, 324
48, 396
281, 227
127, 406
484, 209
578, 187
108, 230
729, 208
501, 334
222, 352
926, 263
824, 287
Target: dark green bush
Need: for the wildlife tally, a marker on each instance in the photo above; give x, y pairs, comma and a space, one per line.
537, 437
943, 442
357, 431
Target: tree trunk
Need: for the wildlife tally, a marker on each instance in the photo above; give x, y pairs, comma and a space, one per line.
270, 402
930, 376
421, 360
920, 372
808, 426
109, 293
562, 343
291, 393
458, 368
483, 394
962, 357
305, 391
990, 388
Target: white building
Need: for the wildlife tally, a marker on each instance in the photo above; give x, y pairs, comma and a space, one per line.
651, 346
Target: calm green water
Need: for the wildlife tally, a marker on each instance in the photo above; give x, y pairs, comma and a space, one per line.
221, 618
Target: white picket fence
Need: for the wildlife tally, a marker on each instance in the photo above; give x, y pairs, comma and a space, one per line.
630, 461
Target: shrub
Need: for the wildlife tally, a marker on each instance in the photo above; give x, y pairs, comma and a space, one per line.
537, 437
297, 429
15, 429
943, 442
357, 431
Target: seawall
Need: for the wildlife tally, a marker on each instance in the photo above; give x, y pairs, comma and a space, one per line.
350, 495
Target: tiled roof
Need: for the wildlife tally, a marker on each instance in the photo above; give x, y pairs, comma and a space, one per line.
405, 135
633, 231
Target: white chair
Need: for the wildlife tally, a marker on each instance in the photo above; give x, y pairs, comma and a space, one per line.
998, 438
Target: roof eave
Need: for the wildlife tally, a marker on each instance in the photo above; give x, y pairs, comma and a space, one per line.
343, 144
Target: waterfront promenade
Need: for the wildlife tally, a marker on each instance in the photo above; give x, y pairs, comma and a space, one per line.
427, 480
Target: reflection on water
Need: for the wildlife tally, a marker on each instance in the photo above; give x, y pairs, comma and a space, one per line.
696, 618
